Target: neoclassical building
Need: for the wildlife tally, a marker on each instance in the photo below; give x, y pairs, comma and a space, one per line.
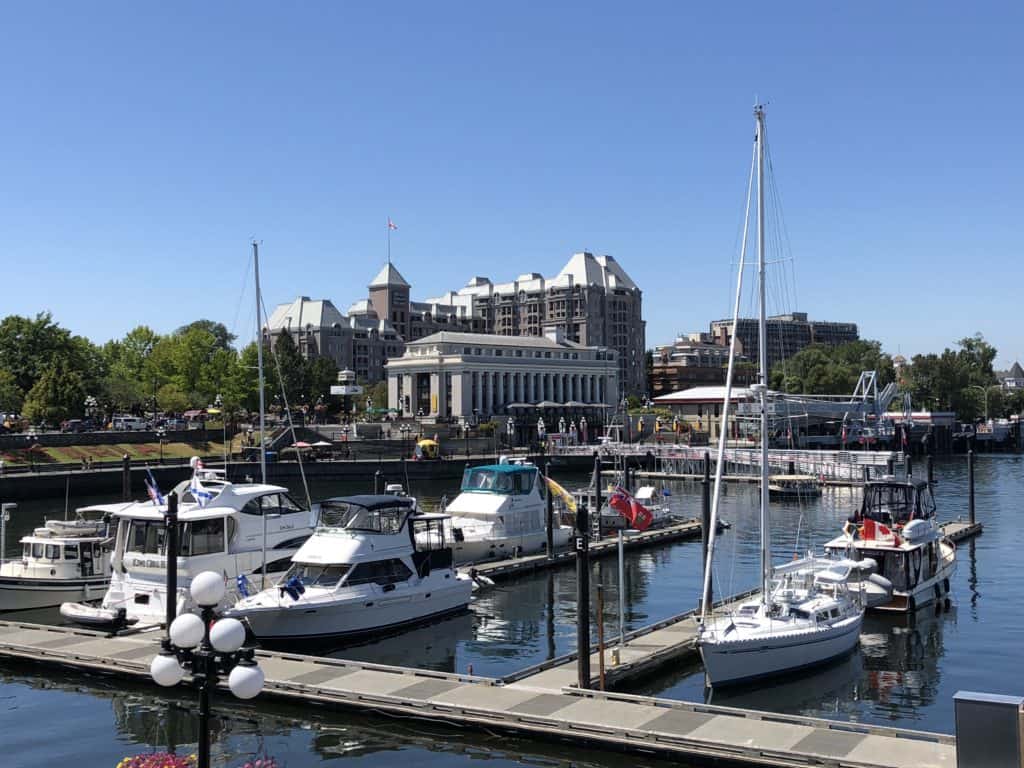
455, 376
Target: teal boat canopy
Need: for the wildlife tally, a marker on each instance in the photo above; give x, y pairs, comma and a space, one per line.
514, 479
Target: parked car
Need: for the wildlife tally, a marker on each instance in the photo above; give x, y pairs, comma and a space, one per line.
77, 425
129, 423
174, 424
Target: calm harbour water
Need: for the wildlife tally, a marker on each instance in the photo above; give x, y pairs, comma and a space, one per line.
904, 673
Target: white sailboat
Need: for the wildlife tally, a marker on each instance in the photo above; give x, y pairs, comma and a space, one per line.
800, 618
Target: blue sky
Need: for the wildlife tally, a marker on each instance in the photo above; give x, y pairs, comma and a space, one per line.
143, 144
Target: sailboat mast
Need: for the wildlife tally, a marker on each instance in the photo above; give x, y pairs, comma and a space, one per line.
766, 554
259, 359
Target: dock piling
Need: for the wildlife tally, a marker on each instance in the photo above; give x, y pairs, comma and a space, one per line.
600, 635
126, 478
378, 478
909, 463
970, 484
549, 515
171, 523
705, 517
597, 491
582, 544
622, 591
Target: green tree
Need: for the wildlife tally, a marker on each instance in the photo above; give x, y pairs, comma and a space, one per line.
826, 370
31, 346
171, 399
955, 380
58, 394
222, 338
322, 372
11, 396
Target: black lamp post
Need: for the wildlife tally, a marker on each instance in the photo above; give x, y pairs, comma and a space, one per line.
161, 433
209, 650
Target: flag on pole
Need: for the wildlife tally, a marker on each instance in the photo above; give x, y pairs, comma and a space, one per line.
152, 489
391, 224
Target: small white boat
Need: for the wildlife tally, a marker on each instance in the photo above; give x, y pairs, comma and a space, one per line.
895, 528
804, 622
860, 576
793, 487
500, 512
372, 565
61, 560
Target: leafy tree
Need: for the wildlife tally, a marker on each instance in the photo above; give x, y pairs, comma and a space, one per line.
955, 380
171, 399
378, 394
287, 370
826, 370
11, 396
58, 394
322, 372
222, 338
31, 346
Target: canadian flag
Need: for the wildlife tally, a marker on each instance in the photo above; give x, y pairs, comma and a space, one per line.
391, 224
876, 530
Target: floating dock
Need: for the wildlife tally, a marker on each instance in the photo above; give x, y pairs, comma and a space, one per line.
673, 729
518, 566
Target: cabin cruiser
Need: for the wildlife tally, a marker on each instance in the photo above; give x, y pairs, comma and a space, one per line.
895, 527
61, 560
372, 564
501, 511
222, 526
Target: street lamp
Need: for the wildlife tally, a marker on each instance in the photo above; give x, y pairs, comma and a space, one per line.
510, 427
208, 649
404, 430
31, 438
161, 433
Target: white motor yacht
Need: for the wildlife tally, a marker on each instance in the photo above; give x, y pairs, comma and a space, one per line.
372, 565
896, 528
61, 560
500, 511
230, 528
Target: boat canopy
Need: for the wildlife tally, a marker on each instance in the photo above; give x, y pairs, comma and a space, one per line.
892, 502
366, 514
510, 479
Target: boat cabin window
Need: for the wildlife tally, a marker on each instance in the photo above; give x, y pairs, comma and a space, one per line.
317, 575
799, 613
497, 481
429, 534
146, 537
354, 517
203, 537
71, 551
381, 572
272, 503
53, 552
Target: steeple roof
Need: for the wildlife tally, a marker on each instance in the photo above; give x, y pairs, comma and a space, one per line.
1016, 372
388, 277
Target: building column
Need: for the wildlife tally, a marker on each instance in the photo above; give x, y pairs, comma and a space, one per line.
560, 387
490, 393
531, 381
393, 392
500, 401
478, 400
436, 385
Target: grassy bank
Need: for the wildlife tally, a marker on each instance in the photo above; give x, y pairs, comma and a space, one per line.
75, 454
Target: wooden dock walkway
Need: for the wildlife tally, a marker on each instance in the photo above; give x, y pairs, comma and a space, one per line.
958, 530
510, 568
673, 729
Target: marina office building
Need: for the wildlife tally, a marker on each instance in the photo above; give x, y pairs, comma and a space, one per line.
464, 377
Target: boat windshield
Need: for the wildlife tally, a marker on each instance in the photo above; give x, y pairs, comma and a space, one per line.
355, 517
491, 480
316, 575
897, 503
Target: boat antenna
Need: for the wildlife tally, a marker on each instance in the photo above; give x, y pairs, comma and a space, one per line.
705, 607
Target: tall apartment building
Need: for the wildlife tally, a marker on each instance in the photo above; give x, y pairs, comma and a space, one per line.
592, 301
787, 335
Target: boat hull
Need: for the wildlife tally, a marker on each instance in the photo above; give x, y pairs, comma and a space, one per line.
354, 617
471, 551
728, 662
21, 594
